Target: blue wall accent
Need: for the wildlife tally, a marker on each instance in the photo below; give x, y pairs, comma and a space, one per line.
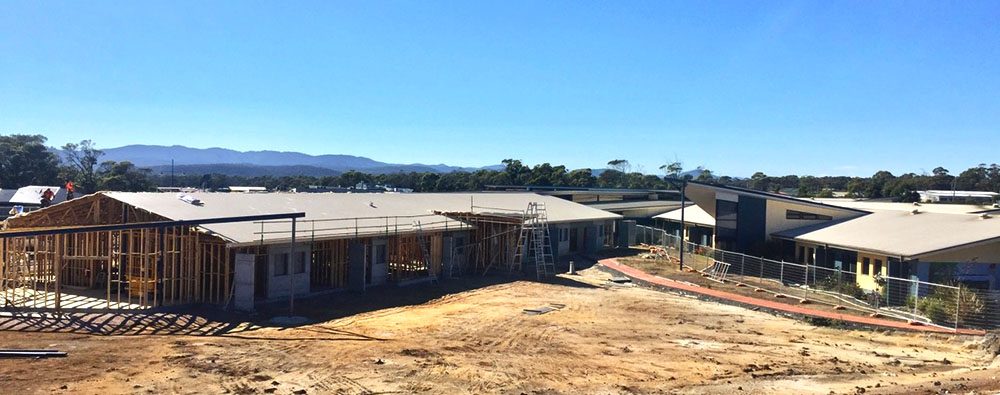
750, 227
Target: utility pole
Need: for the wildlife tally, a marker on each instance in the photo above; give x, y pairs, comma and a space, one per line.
682, 185
172, 173
680, 265
291, 274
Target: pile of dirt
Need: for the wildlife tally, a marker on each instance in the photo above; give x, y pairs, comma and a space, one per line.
989, 346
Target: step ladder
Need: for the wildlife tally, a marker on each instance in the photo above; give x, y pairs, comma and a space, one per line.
423, 247
534, 242
455, 269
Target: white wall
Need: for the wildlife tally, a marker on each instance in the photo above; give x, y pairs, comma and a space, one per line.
985, 253
776, 221
277, 286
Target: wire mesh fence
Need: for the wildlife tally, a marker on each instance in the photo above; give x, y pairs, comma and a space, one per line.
946, 305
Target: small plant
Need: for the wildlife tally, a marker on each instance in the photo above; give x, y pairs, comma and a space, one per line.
834, 284
946, 305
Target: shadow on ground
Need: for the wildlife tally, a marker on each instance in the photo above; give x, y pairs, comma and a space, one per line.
211, 321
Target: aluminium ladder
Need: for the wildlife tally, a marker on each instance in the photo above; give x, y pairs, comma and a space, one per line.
423, 247
535, 242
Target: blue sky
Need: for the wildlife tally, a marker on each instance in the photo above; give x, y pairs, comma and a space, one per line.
781, 87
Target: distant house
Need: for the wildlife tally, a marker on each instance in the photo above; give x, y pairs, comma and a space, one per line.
242, 189
699, 227
29, 198
942, 196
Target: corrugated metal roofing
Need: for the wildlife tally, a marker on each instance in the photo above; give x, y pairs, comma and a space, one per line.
32, 194
900, 233
342, 215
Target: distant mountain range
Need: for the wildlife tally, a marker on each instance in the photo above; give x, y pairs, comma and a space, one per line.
251, 163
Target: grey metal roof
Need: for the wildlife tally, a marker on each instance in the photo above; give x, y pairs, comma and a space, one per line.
633, 204
900, 233
340, 215
876, 205
6, 194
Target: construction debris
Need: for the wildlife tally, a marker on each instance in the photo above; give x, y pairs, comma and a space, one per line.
32, 354
544, 309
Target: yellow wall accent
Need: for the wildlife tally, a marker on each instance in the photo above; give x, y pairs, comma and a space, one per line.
868, 281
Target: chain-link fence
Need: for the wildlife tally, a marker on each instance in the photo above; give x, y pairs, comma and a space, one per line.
946, 305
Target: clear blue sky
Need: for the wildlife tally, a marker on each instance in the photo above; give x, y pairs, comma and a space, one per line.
825, 87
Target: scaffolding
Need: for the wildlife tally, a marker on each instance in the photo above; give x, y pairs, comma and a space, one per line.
534, 243
121, 266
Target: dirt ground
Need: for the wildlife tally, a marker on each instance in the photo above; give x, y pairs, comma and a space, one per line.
474, 337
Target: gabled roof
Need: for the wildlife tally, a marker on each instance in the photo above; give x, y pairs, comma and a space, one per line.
900, 233
345, 215
692, 214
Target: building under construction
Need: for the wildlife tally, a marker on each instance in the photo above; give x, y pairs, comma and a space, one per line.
115, 250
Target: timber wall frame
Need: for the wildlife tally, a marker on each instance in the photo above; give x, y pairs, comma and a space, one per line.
140, 262
494, 241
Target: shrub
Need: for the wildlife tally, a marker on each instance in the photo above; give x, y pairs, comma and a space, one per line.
834, 284
940, 306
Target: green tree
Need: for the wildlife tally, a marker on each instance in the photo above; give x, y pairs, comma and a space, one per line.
24, 160
429, 182
672, 169
621, 165
83, 158
759, 181
124, 176
704, 175
581, 178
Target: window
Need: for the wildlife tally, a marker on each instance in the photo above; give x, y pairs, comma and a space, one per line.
563, 234
281, 265
802, 254
811, 256
792, 214
725, 219
300, 262
864, 265
600, 230
878, 267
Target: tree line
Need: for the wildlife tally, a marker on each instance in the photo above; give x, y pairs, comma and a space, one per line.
26, 160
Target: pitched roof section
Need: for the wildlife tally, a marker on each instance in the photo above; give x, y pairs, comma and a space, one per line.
32, 194
345, 215
705, 194
900, 233
692, 214
876, 205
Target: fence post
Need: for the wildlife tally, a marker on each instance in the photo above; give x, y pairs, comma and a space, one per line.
760, 261
958, 304
781, 273
805, 289
743, 259
888, 292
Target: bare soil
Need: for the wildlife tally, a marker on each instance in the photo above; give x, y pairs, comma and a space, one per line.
474, 337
